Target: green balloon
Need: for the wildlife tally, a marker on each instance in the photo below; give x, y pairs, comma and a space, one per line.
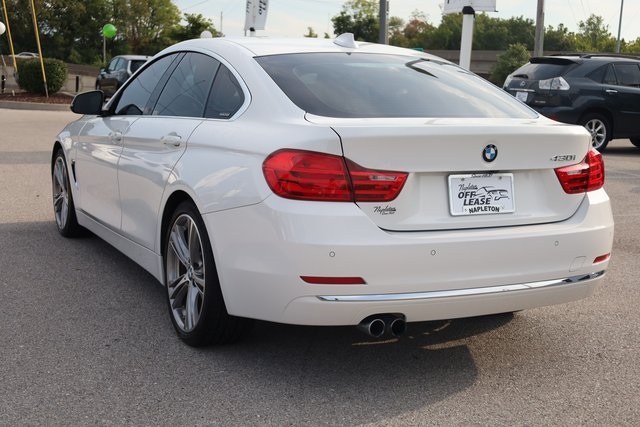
109, 31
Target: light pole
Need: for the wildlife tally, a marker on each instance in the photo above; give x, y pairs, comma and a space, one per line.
619, 27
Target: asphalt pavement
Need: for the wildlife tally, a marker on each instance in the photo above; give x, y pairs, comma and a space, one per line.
85, 337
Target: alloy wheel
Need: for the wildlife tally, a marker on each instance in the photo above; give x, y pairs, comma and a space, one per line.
60, 192
185, 273
598, 130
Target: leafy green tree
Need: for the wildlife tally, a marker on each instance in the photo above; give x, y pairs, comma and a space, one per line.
559, 39
359, 17
515, 56
594, 36
311, 33
195, 25
146, 25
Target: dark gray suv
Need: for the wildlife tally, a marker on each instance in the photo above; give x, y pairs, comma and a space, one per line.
600, 92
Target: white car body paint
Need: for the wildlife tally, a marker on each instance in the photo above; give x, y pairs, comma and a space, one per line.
263, 243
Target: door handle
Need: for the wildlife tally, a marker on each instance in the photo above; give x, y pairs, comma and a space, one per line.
116, 137
172, 140
611, 91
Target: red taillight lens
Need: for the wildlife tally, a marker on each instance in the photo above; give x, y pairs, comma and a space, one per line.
375, 186
307, 175
587, 175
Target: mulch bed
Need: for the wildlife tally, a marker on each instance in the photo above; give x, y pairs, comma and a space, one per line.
57, 98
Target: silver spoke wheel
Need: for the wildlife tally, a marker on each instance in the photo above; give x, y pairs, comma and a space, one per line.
598, 130
185, 273
60, 192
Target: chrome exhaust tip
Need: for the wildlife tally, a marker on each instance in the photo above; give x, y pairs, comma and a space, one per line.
373, 326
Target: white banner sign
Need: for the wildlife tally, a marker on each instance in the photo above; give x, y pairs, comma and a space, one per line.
256, 15
456, 6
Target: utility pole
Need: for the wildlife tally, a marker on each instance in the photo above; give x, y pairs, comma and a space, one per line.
538, 45
466, 41
619, 27
383, 35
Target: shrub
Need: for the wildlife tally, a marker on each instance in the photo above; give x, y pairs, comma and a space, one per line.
30, 75
512, 58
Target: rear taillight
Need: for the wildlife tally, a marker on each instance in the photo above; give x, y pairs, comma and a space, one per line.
308, 175
587, 175
556, 83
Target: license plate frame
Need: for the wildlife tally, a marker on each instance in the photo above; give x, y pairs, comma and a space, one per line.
522, 96
481, 194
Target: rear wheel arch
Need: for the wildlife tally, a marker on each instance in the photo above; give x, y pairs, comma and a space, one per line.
600, 123
170, 206
603, 112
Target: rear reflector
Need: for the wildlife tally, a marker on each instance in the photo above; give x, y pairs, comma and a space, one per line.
317, 280
587, 175
308, 175
601, 258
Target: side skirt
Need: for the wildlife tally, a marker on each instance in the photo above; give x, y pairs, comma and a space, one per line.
144, 257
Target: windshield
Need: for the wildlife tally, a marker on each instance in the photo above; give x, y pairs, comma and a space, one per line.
375, 85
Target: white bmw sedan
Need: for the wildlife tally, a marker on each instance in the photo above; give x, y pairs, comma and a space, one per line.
329, 182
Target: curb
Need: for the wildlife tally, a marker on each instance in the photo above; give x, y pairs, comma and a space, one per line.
38, 106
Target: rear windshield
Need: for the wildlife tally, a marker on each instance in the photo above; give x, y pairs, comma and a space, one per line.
541, 71
371, 85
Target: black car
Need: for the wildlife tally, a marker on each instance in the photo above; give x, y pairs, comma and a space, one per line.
117, 72
600, 92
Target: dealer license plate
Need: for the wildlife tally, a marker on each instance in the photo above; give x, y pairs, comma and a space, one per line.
481, 194
522, 96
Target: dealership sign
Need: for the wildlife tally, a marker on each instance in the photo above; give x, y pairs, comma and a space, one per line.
456, 6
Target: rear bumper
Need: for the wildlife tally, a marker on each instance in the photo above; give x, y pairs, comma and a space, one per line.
262, 250
560, 114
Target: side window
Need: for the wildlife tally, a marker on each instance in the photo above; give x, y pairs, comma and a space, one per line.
610, 76
136, 95
112, 65
121, 65
185, 93
628, 74
226, 96
598, 74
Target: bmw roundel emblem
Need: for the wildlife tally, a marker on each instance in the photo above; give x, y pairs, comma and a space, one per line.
490, 153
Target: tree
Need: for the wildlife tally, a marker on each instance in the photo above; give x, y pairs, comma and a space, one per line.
145, 24
195, 25
311, 33
515, 56
359, 17
559, 39
594, 36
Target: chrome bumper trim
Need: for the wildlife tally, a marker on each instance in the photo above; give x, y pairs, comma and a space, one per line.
462, 292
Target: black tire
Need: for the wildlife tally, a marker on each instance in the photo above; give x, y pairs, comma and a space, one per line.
635, 141
196, 305
599, 128
63, 207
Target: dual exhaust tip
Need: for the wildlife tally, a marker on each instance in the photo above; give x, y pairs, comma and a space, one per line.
378, 325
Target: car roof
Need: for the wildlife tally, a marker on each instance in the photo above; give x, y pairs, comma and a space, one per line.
133, 57
262, 46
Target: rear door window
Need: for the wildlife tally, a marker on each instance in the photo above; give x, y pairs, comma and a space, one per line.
610, 76
226, 96
628, 74
186, 91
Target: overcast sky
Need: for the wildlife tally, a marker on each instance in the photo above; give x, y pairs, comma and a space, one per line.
290, 18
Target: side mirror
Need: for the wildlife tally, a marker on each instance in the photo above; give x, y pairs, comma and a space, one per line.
102, 71
88, 102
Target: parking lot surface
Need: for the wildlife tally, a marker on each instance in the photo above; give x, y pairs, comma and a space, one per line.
85, 338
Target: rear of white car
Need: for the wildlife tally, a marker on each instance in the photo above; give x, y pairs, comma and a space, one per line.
322, 182
464, 204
